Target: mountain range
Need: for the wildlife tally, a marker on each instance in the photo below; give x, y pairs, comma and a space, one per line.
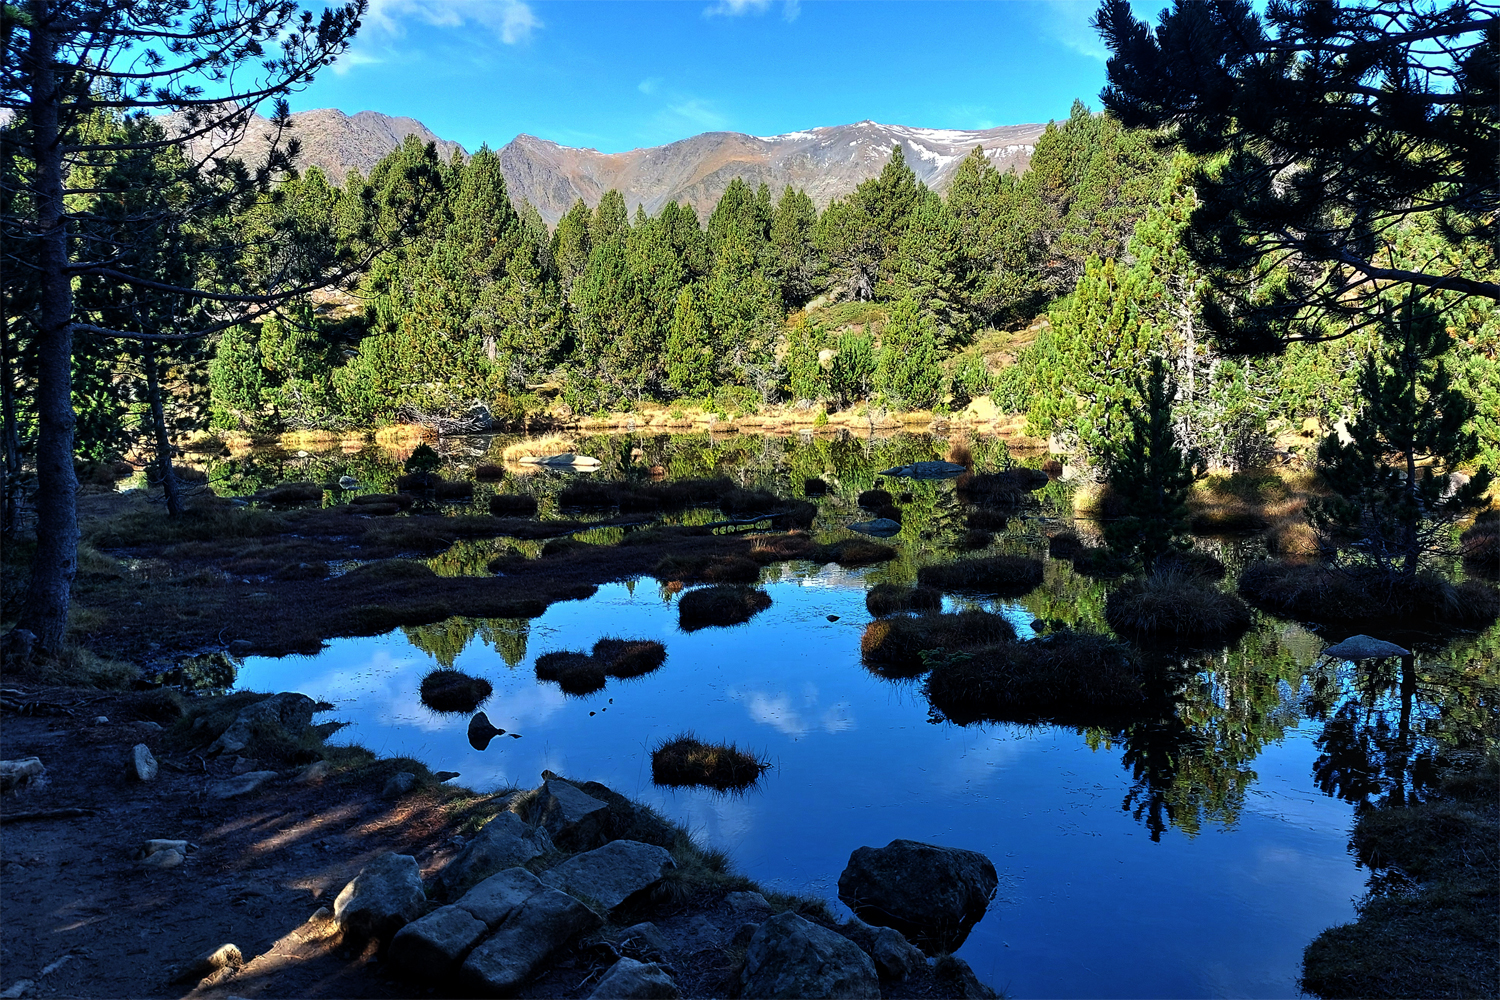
825, 162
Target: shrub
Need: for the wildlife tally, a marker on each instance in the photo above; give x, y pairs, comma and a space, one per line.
814, 488
1353, 596
513, 505
974, 538
686, 760
1070, 678
875, 499
721, 605
1174, 607
1065, 545
893, 647
889, 598
1015, 575
576, 673
1481, 546
454, 691
623, 658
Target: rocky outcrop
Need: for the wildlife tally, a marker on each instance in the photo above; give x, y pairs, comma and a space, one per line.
434, 945
792, 957
540, 926
576, 820
933, 895
628, 979
140, 765
893, 955
611, 874
287, 712
504, 842
384, 897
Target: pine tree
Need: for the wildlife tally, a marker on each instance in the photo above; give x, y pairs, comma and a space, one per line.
804, 375
690, 359
853, 367
998, 249
1150, 475
611, 218
571, 246
1393, 483
859, 236
933, 269
794, 263
907, 371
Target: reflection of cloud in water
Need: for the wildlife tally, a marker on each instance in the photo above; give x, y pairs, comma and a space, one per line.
777, 711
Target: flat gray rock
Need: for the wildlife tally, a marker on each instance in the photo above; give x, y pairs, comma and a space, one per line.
880, 527
385, 896
792, 957
1364, 647
574, 818
748, 904
232, 788
612, 873
500, 895
431, 946
400, 783
544, 923
506, 841
925, 470
628, 979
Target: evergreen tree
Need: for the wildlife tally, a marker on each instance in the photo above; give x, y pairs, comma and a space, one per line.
743, 307
997, 247
853, 367
1393, 482
611, 219
933, 270
236, 381
1150, 475
691, 363
614, 325
907, 370
794, 263
571, 246
859, 235
804, 375
688, 238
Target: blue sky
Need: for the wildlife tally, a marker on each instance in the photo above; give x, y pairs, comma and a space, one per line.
620, 75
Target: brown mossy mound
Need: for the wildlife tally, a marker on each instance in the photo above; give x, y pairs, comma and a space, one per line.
893, 647
1481, 546
1194, 564
1065, 545
875, 499
402, 500
1356, 596
1070, 678
814, 488
851, 552
707, 569
576, 673
623, 658
890, 598
1174, 608
988, 520
975, 538
447, 690
513, 505
564, 546
767, 549
418, 482
718, 606
686, 760
1014, 575
288, 494
488, 473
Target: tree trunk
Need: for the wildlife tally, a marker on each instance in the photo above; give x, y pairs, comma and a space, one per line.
45, 612
169, 485
10, 462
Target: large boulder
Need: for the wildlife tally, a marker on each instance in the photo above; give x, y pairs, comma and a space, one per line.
576, 820
431, 947
500, 895
541, 925
893, 955
933, 895
287, 712
628, 979
385, 896
792, 957
504, 842
1364, 647
611, 874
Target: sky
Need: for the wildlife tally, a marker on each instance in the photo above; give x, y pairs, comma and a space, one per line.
621, 75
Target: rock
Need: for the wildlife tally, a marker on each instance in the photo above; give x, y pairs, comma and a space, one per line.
575, 819
1364, 647
169, 858
504, 842
698, 933
347, 482
446, 775
500, 895
744, 935
226, 956
880, 527
151, 847
932, 895
140, 765
384, 897
611, 874
894, 956
628, 979
14, 773
101, 720
149, 726
17, 989
544, 923
957, 971
288, 711
431, 946
313, 774
643, 940
400, 783
749, 905
243, 785
791, 957
481, 731
925, 470
566, 459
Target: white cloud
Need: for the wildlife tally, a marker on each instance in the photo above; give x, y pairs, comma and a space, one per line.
650, 85
737, 8
512, 21
697, 112
354, 58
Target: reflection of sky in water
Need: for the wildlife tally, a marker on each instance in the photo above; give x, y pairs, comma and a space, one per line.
1088, 905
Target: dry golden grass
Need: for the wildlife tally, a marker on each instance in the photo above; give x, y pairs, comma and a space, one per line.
538, 447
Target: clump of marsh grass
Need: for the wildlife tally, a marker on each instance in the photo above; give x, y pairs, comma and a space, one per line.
576, 673
453, 490
1195, 564
513, 505
539, 447
1068, 678
999, 489
623, 658
890, 598
1354, 596
387, 571
853, 552
988, 520
288, 494
488, 473
1174, 607
875, 499
402, 500
447, 690
686, 760
1065, 545
707, 569
975, 538
814, 488
892, 647
1014, 575
721, 605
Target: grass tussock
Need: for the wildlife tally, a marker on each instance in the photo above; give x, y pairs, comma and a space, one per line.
576, 673
290, 494
893, 647
402, 500
891, 598
1014, 575
1480, 546
1101, 564
875, 499
625, 658
814, 488
538, 447
584, 673
72, 666
1070, 678
707, 569
1175, 608
454, 691
454, 490
988, 520
1329, 595
1065, 545
387, 571
974, 539
999, 489
719, 606
851, 552
513, 505
202, 522
686, 760
486, 472
1199, 565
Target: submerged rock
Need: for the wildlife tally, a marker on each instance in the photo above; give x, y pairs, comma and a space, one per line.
933, 895
880, 527
1364, 647
792, 957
